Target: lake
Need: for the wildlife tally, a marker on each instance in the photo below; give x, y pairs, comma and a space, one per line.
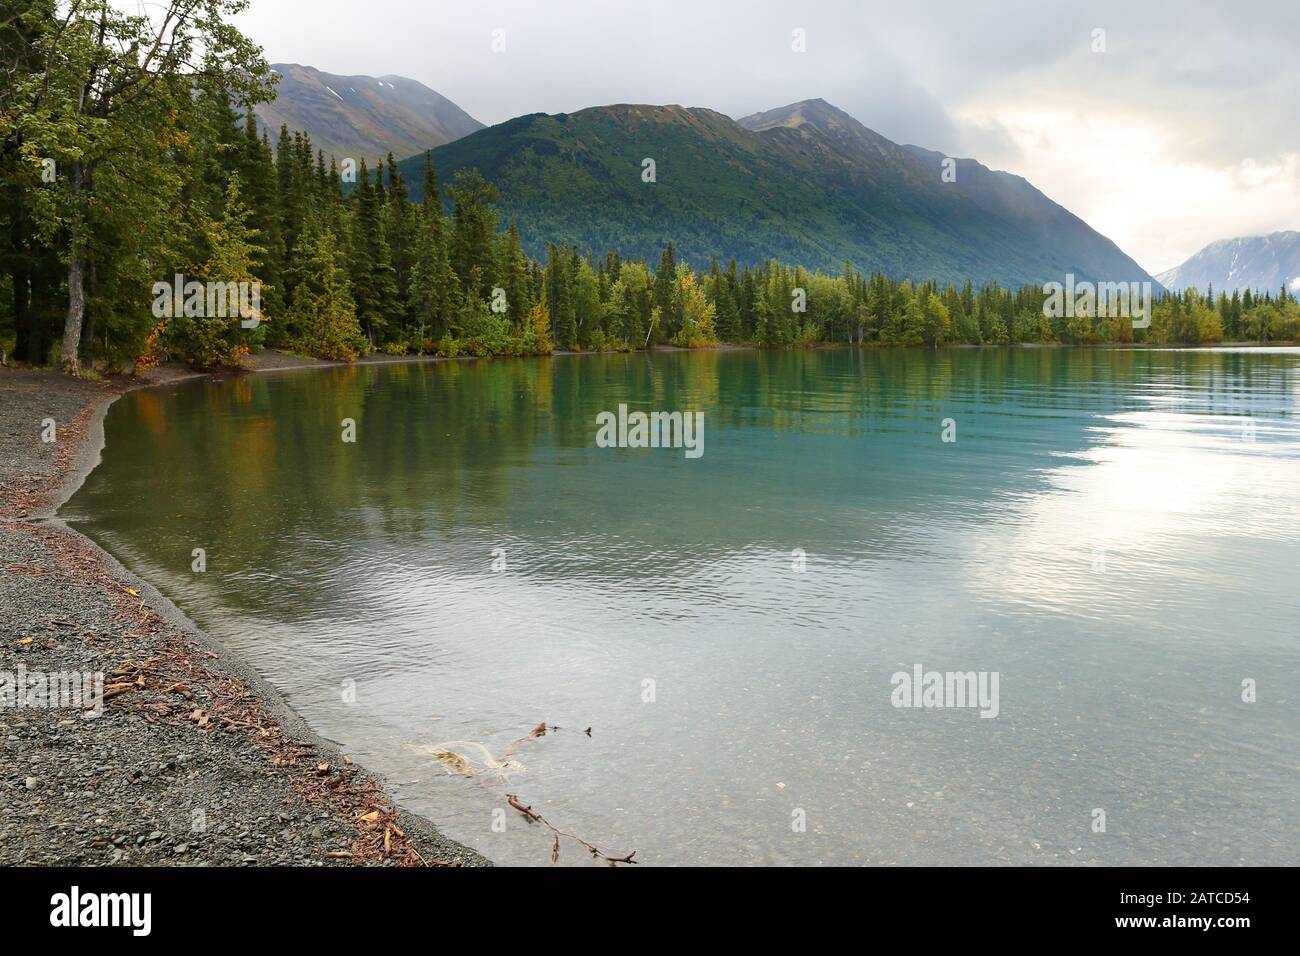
1109, 538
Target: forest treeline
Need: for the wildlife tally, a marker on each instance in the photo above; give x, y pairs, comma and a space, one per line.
126, 162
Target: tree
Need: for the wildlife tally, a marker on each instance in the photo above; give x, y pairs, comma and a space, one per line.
374, 280
113, 83
698, 315
512, 272
209, 332
938, 324
560, 297
912, 327
257, 173
538, 330
434, 295
398, 231
587, 307
665, 294
323, 311
474, 222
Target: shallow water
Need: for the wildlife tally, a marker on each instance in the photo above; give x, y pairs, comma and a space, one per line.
1116, 534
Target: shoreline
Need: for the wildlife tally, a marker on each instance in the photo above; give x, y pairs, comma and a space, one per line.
196, 759
271, 360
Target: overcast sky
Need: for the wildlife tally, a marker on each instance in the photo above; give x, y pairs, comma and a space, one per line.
1183, 131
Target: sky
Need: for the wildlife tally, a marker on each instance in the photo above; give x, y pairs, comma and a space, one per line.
1175, 127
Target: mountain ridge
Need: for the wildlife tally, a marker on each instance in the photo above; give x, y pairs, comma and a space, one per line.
363, 116
1261, 263
806, 183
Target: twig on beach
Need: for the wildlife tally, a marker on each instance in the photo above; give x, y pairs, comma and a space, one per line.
24, 569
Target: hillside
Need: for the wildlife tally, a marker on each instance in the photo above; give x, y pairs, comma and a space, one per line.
363, 116
806, 183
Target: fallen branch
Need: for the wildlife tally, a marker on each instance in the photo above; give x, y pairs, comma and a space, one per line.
534, 817
538, 731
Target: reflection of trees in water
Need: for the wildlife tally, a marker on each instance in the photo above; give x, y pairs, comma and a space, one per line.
839, 445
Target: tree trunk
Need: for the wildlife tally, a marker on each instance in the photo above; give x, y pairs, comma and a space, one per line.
76, 309
76, 291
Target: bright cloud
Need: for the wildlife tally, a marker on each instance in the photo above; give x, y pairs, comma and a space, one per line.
1127, 178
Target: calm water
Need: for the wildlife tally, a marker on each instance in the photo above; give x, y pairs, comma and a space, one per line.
1116, 534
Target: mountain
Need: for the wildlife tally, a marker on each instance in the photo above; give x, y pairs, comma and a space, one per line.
1260, 263
1044, 223
363, 116
807, 184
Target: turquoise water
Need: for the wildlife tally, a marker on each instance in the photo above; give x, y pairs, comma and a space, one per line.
1114, 534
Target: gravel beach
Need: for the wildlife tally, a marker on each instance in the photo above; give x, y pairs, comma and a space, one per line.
194, 759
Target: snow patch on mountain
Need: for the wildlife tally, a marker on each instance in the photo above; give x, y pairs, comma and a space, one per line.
1260, 263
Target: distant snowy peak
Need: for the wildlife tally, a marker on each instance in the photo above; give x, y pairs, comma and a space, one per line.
1260, 263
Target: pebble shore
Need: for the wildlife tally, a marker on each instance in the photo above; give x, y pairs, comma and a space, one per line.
194, 760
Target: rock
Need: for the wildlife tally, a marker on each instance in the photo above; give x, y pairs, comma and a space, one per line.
31, 783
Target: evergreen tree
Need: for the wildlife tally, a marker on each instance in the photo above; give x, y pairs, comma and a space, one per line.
374, 280
512, 270
399, 232
211, 339
434, 295
323, 314
473, 227
665, 296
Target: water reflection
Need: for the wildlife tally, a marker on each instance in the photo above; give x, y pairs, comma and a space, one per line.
371, 562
